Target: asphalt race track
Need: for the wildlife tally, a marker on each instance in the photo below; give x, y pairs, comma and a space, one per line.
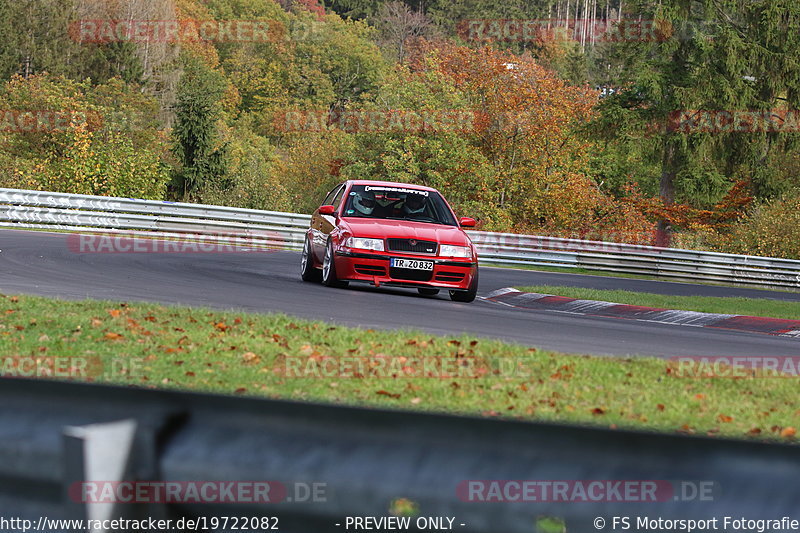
43, 264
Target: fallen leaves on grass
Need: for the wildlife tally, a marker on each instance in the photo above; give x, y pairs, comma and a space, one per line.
281, 341
169, 349
250, 357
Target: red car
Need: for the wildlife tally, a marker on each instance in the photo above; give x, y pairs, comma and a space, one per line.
387, 233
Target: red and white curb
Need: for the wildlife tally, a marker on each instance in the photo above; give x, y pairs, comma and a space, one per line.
752, 324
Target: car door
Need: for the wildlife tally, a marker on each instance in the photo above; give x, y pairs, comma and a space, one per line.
323, 225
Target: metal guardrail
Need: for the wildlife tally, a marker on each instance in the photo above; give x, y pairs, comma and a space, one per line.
71, 212
56, 434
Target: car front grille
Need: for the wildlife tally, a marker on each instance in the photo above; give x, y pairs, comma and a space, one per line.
412, 245
410, 274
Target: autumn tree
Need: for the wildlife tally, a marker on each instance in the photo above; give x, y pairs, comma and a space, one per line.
519, 162
104, 141
528, 125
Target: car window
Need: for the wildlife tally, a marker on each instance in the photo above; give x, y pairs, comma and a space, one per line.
337, 200
398, 203
329, 197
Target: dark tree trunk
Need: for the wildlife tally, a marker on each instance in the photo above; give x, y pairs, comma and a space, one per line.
667, 191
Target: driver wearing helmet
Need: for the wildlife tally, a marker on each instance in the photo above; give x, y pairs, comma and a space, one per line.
414, 206
364, 202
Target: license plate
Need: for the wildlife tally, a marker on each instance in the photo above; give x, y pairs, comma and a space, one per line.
413, 264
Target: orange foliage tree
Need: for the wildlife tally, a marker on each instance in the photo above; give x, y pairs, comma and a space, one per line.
527, 120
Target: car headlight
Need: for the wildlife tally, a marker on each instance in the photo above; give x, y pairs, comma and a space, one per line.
376, 245
447, 250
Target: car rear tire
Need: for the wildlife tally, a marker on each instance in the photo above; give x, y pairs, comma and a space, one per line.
428, 292
329, 278
467, 295
307, 270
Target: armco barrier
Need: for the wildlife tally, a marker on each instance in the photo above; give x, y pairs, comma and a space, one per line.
73, 212
55, 436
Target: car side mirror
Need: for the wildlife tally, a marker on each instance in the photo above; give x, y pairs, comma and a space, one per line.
327, 210
466, 222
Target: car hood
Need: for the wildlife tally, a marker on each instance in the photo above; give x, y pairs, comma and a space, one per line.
404, 229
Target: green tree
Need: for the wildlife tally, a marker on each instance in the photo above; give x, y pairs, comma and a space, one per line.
112, 60
201, 155
36, 38
354, 9
254, 179
757, 51
733, 55
343, 53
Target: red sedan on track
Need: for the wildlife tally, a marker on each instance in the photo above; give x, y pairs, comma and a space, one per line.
388, 233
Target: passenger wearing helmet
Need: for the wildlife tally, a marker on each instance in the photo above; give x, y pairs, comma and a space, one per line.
364, 202
414, 206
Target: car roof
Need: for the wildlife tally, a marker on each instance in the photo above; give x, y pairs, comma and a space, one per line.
392, 184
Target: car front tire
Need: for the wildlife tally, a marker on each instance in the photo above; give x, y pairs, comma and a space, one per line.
467, 295
329, 278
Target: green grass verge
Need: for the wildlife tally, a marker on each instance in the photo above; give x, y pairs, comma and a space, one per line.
283, 357
609, 274
570, 270
706, 304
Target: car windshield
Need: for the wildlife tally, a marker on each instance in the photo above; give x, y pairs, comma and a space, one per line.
398, 203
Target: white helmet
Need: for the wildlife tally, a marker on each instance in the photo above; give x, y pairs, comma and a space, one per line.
414, 204
364, 202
